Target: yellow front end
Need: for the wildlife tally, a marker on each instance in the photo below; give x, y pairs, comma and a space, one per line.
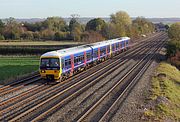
55, 73
48, 69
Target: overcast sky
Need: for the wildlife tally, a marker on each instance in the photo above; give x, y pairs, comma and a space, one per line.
88, 8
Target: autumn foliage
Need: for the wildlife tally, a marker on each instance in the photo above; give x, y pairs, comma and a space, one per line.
56, 28
173, 50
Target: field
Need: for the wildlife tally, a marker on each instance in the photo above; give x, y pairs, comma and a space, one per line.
14, 66
36, 43
33, 47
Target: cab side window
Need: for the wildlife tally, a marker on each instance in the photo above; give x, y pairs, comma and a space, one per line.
88, 55
62, 62
67, 62
108, 48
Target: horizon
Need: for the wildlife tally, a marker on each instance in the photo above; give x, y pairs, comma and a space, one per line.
43, 9
95, 17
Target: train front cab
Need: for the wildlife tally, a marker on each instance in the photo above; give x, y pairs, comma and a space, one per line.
50, 68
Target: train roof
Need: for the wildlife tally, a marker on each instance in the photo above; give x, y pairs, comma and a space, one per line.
108, 42
82, 48
74, 50
67, 51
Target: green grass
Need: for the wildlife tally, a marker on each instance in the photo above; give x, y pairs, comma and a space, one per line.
167, 87
15, 66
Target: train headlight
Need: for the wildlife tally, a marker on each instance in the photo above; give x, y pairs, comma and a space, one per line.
43, 71
56, 71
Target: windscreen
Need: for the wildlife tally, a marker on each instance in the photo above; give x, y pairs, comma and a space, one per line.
48, 63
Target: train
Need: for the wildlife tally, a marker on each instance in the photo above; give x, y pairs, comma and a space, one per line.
60, 64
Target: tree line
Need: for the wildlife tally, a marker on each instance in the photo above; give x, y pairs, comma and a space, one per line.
55, 28
173, 49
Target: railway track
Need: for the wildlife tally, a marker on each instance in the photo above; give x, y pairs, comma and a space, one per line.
63, 120
114, 106
53, 91
18, 85
120, 88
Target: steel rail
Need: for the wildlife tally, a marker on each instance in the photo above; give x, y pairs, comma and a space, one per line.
115, 86
127, 88
30, 80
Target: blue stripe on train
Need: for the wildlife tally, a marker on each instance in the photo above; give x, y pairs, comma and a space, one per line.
76, 66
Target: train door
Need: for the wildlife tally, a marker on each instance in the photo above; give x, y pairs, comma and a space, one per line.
124, 45
61, 65
127, 44
99, 53
110, 49
72, 64
85, 58
106, 50
119, 46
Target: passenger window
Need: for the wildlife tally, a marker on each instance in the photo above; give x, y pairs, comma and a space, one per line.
66, 63
69, 61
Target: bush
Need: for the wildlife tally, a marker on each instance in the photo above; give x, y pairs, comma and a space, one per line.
47, 34
173, 47
91, 37
36, 35
61, 36
173, 52
174, 31
1, 37
27, 35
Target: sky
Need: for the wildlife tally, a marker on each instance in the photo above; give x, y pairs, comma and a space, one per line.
88, 8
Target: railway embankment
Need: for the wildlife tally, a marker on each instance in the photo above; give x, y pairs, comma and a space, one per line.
164, 100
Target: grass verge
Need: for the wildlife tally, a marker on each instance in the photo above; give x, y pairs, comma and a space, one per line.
165, 94
13, 67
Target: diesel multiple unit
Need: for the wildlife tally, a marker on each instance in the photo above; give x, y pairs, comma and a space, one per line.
61, 64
